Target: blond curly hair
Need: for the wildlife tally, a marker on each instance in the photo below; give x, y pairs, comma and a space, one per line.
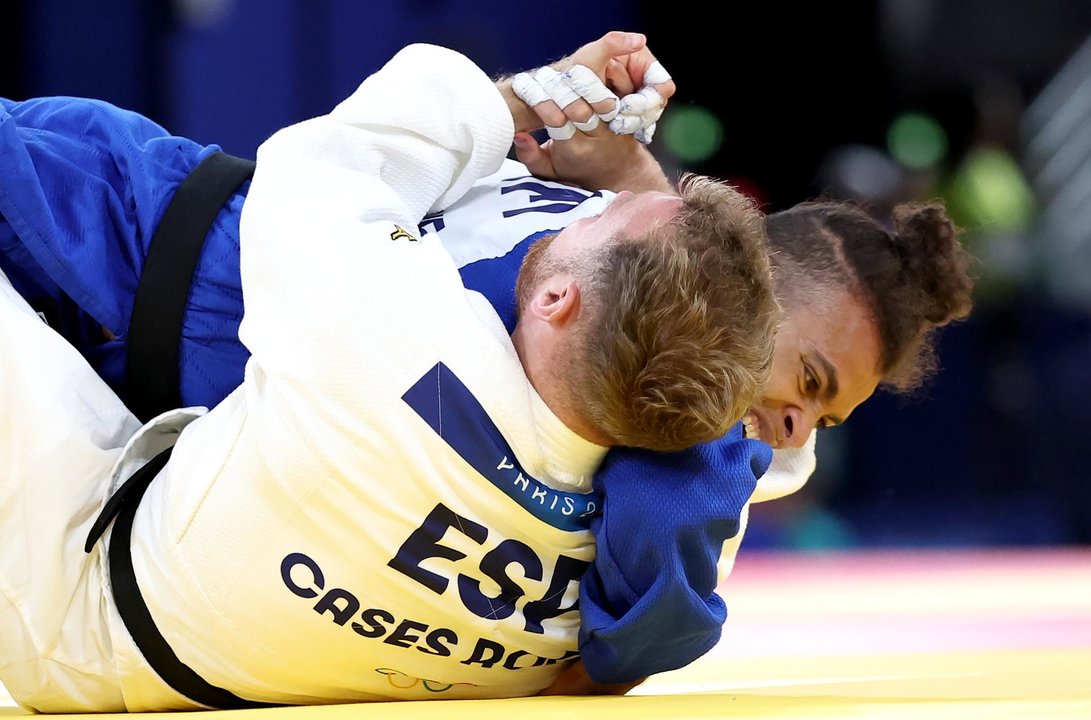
680, 325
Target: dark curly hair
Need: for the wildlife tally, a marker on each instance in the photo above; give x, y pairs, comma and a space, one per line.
914, 277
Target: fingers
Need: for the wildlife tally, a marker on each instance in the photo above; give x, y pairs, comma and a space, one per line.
657, 76
556, 86
588, 125
578, 114
565, 102
643, 84
643, 101
583, 81
564, 132
617, 43
644, 135
639, 111
617, 77
535, 157
528, 89
578, 100
597, 54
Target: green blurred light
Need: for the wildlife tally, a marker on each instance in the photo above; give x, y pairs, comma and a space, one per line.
692, 133
916, 140
989, 191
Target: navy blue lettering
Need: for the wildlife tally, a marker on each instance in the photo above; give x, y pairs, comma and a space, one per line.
401, 635
374, 619
424, 543
435, 642
435, 221
561, 199
568, 571
486, 653
467, 428
294, 559
341, 613
495, 565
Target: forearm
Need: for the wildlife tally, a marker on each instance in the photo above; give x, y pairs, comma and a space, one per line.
641, 174
604, 162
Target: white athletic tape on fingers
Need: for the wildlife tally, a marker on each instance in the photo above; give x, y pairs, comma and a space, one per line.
584, 81
564, 132
656, 74
632, 104
589, 125
641, 101
528, 90
644, 135
625, 124
587, 85
555, 86
651, 117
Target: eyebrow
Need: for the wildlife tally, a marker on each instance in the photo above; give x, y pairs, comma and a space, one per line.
832, 384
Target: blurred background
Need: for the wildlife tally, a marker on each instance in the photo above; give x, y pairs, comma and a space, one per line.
983, 103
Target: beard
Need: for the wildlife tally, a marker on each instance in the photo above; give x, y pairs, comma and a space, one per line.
537, 265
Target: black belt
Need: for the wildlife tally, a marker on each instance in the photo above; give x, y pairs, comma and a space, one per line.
155, 328
130, 602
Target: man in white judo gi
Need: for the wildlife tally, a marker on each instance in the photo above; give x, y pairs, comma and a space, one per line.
395, 504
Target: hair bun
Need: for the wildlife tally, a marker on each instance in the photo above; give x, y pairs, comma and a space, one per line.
934, 261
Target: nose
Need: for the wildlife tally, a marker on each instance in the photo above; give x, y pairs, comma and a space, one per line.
796, 426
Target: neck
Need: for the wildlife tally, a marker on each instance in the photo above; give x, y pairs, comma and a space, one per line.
538, 354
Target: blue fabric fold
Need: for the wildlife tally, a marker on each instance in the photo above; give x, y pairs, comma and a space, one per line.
648, 602
83, 186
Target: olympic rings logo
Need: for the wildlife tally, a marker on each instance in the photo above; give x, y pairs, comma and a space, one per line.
401, 681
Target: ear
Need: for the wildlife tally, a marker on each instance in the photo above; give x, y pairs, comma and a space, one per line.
557, 301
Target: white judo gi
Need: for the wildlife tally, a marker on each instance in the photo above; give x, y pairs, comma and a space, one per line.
384, 509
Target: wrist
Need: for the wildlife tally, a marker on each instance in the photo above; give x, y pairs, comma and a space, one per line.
522, 115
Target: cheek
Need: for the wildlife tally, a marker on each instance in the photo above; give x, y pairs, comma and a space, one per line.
778, 388
784, 367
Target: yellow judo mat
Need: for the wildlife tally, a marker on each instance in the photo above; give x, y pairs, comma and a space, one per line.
932, 635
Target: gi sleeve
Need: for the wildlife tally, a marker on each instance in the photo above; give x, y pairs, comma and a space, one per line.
790, 470
787, 473
648, 602
333, 268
